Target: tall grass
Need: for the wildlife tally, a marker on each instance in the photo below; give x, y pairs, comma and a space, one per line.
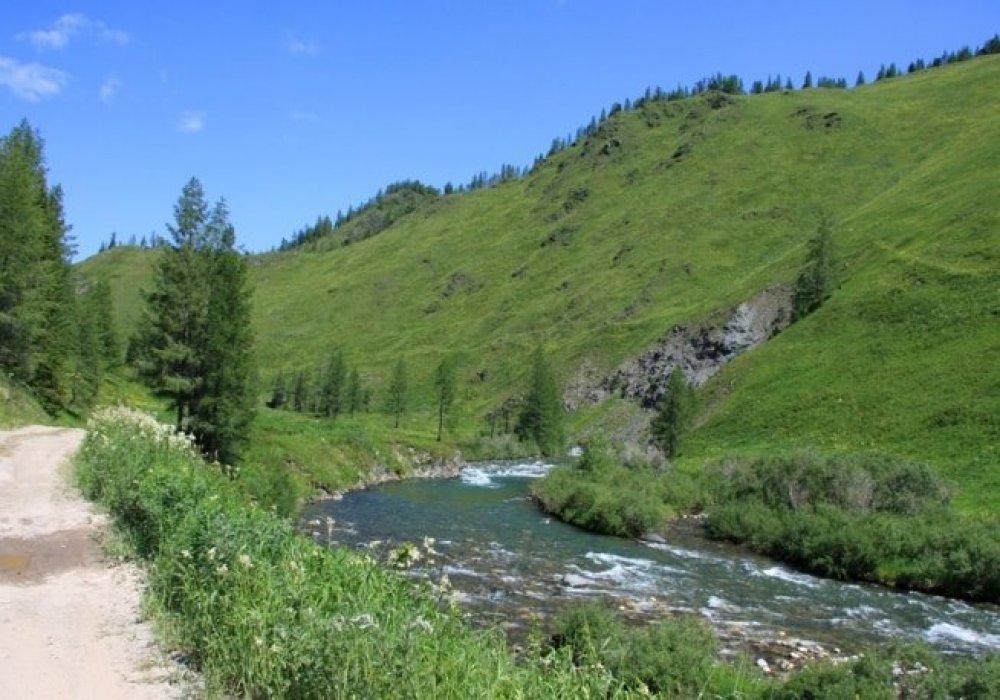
263, 612
266, 613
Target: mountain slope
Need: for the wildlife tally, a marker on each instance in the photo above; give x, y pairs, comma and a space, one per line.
672, 213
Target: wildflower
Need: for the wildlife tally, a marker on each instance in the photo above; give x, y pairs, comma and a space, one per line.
245, 561
423, 624
258, 641
186, 553
363, 621
211, 553
221, 569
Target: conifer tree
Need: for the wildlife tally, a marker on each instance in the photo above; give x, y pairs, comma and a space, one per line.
541, 414
300, 393
37, 324
354, 392
817, 280
278, 392
673, 414
397, 396
222, 419
331, 388
196, 329
444, 391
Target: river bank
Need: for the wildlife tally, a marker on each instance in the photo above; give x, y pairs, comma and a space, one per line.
512, 566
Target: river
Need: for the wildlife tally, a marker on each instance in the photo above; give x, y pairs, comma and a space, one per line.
509, 562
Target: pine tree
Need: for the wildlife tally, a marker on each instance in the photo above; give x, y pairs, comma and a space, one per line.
860, 79
541, 414
444, 391
807, 82
673, 414
817, 280
397, 396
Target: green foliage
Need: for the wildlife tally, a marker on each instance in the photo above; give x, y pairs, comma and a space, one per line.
444, 390
195, 339
858, 517
264, 612
332, 395
673, 415
817, 281
541, 416
671, 658
397, 396
883, 365
599, 494
38, 334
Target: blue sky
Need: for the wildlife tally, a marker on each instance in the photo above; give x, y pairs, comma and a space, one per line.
294, 109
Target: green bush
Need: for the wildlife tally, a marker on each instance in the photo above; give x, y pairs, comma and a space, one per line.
266, 613
675, 657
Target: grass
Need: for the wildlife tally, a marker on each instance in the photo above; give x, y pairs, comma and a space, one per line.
18, 407
612, 242
861, 517
265, 612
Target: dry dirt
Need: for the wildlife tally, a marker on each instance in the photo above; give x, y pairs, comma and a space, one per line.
70, 622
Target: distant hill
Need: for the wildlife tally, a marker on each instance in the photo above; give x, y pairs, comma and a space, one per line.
671, 214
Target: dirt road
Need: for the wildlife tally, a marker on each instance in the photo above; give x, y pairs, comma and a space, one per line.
69, 622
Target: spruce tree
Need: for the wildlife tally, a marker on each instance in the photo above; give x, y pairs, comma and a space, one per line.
278, 392
196, 337
816, 282
354, 393
225, 411
331, 387
541, 414
300, 393
444, 391
397, 395
37, 325
673, 414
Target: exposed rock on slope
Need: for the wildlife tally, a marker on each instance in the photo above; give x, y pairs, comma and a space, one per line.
699, 352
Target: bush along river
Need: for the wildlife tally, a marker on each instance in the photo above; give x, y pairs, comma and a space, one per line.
509, 563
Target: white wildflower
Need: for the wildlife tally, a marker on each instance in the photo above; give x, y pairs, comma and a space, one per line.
363, 621
423, 624
245, 561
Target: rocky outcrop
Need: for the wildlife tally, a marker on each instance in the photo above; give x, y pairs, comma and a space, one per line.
700, 352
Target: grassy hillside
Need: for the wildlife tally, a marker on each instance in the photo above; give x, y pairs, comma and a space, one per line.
671, 214
18, 407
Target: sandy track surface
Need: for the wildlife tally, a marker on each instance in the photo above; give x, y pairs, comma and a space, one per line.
69, 622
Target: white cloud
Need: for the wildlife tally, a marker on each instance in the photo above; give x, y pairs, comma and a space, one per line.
191, 122
109, 88
31, 81
301, 47
58, 35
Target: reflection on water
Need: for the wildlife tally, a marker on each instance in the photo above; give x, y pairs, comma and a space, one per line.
512, 562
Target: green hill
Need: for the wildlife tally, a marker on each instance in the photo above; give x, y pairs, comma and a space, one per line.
671, 214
